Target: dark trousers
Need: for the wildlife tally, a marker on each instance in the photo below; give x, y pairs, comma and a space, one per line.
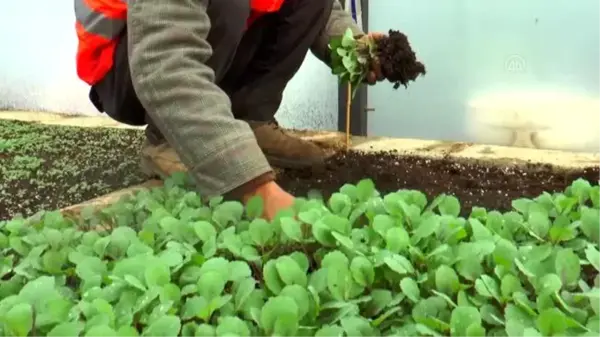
252, 66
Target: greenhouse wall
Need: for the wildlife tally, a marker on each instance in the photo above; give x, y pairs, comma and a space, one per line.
37, 69
498, 72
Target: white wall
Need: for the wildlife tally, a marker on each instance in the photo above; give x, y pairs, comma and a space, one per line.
37, 70
535, 62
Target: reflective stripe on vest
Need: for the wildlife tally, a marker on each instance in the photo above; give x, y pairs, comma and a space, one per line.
99, 24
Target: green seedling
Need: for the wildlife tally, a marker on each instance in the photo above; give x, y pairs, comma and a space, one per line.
350, 58
165, 263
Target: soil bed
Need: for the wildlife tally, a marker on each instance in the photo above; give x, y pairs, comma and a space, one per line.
475, 184
49, 167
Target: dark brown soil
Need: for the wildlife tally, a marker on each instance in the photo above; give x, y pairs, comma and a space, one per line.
399, 63
50, 167
474, 184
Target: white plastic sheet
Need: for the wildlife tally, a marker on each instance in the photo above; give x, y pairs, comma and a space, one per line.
494, 51
37, 68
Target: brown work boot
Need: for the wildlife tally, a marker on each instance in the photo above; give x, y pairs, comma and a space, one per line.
160, 161
284, 150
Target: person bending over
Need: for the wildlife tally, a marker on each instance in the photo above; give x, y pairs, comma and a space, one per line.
207, 77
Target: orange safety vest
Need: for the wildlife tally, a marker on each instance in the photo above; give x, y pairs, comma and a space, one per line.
100, 22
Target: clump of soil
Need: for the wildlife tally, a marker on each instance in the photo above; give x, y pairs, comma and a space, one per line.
398, 61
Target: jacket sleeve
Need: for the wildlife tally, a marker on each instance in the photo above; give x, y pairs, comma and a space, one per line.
338, 22
167, 50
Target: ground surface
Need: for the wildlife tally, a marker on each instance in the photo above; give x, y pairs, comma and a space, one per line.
473, 184
49, 167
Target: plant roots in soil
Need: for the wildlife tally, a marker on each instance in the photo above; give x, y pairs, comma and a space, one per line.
398, 61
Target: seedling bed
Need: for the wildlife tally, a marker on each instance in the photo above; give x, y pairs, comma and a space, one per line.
361, 263
50, 167
475, 183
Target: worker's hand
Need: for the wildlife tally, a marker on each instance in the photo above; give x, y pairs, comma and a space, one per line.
375, 75
275, 199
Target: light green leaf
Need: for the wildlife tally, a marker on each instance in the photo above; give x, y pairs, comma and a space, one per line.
301, 296
446, 280
348, 39
340, 204
167, 326
397, 239
255, 207
568, 266
290, 272
239, 270
330, 331
487, 287
552, 322
382, 223
449, 205
229, 212
279, 316
475, 329
539, 223
211, 284
204, 230
19, 319
593, 256
343, 240
261, 231
292, 229
509, 285
462, 318
67, 329
365, 189
357, 326
363, 271
243, 291
590, 223
339, 282
399, 264
549, 284
124, 331
157, 274
90, 268
271, 277
205, 330
410, 288
100, 331
232, 326
427, 228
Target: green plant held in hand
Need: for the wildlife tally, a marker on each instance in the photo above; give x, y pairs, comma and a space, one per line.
350, 58
353, 58
164, 263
